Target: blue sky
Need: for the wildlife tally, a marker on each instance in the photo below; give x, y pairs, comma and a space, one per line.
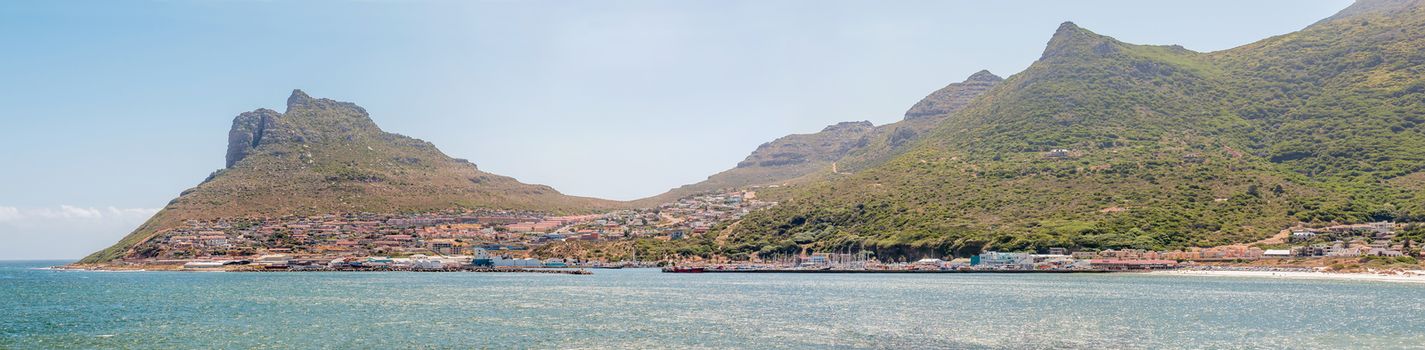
110, 108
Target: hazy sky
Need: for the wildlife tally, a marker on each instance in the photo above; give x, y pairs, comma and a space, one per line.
108, 109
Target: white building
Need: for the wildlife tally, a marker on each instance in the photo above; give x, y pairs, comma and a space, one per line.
1385, 252
1276, 253
426, 262
273, 260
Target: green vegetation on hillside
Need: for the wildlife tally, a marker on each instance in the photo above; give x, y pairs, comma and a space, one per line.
1162, 148
848, 146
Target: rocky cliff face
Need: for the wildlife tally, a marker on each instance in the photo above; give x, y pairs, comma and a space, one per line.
247, 132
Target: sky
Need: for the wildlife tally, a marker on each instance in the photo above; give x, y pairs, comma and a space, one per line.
109, 109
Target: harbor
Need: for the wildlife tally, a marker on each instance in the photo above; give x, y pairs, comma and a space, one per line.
850, 310
988, 262
452, 269
718, 270
481, 261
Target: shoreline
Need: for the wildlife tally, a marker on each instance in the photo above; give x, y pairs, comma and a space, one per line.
1410, 276
170, 268
893, 271
1417, 276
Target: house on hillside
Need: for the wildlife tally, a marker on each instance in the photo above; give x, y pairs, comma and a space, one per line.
214, 240
1384, 252
447, 246
1302, 235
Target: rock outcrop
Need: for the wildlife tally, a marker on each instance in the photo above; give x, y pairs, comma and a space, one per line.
247, 132
953, 97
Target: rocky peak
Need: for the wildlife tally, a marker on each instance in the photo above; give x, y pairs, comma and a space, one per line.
299, 100
864, 124
307, 119
983, 75
829, 144
1070, 40
953, 97
310, 119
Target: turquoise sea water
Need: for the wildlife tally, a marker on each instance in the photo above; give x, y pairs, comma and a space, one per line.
44, 309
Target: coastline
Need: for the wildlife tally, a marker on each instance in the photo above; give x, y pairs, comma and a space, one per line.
1416, 276
116, 267
1392, 276
252, 269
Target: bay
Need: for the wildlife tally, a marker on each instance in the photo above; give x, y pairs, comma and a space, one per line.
644, 308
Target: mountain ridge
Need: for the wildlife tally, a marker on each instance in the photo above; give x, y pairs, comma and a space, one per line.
808, 157
1098, 144
1105, 144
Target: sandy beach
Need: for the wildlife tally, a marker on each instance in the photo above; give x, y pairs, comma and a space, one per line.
1417, 276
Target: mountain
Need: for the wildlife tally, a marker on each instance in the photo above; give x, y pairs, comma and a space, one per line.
324, 156
1105, 144
953, 97
806, 157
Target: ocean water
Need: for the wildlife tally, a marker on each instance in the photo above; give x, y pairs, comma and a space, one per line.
642, 308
